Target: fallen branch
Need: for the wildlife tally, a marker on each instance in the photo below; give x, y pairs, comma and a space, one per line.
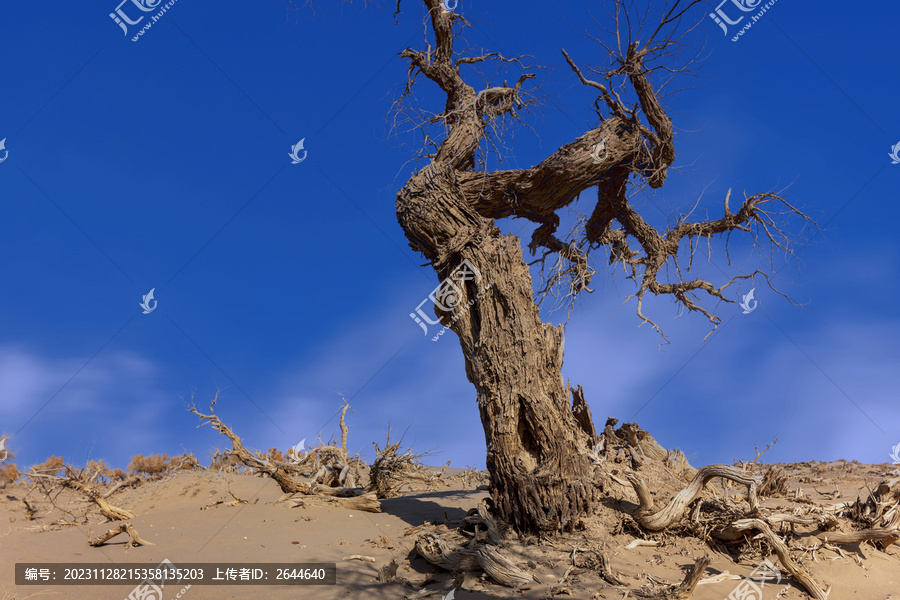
607, 573
736, 530
635, 543
273, 470
887, 536
675, 509
113, 513
683, 590
280, 472
359, 557
131, 480
479, 557
365, 502
135, 539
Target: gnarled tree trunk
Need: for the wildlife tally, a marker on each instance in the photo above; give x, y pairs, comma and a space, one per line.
537, 449
540, 475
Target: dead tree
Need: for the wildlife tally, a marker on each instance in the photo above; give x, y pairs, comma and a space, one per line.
282, 471
537, 449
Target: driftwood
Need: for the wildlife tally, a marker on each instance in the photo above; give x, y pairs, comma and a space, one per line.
656, 521
479, 557
135, 539
738, 528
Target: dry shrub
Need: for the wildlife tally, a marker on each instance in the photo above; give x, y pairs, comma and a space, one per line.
52, 466
98, 470
9, 474
392, 470
152, 466
185, 461
273, 455
774, 483
225, 461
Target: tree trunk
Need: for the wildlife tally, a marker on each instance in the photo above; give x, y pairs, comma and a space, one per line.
540, 475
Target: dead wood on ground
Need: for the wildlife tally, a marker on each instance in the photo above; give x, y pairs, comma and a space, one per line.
73, 481
281, 471
656, 521
393, 469
134, 538
683, 590
444, 553
875, 518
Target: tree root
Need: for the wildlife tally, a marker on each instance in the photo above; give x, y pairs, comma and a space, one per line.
675, 509
135, 540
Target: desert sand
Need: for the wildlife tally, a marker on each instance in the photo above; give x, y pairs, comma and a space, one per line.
169, 513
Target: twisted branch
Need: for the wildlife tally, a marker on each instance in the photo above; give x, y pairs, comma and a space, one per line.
675, 508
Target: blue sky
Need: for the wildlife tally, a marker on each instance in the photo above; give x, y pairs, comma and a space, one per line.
163, 163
